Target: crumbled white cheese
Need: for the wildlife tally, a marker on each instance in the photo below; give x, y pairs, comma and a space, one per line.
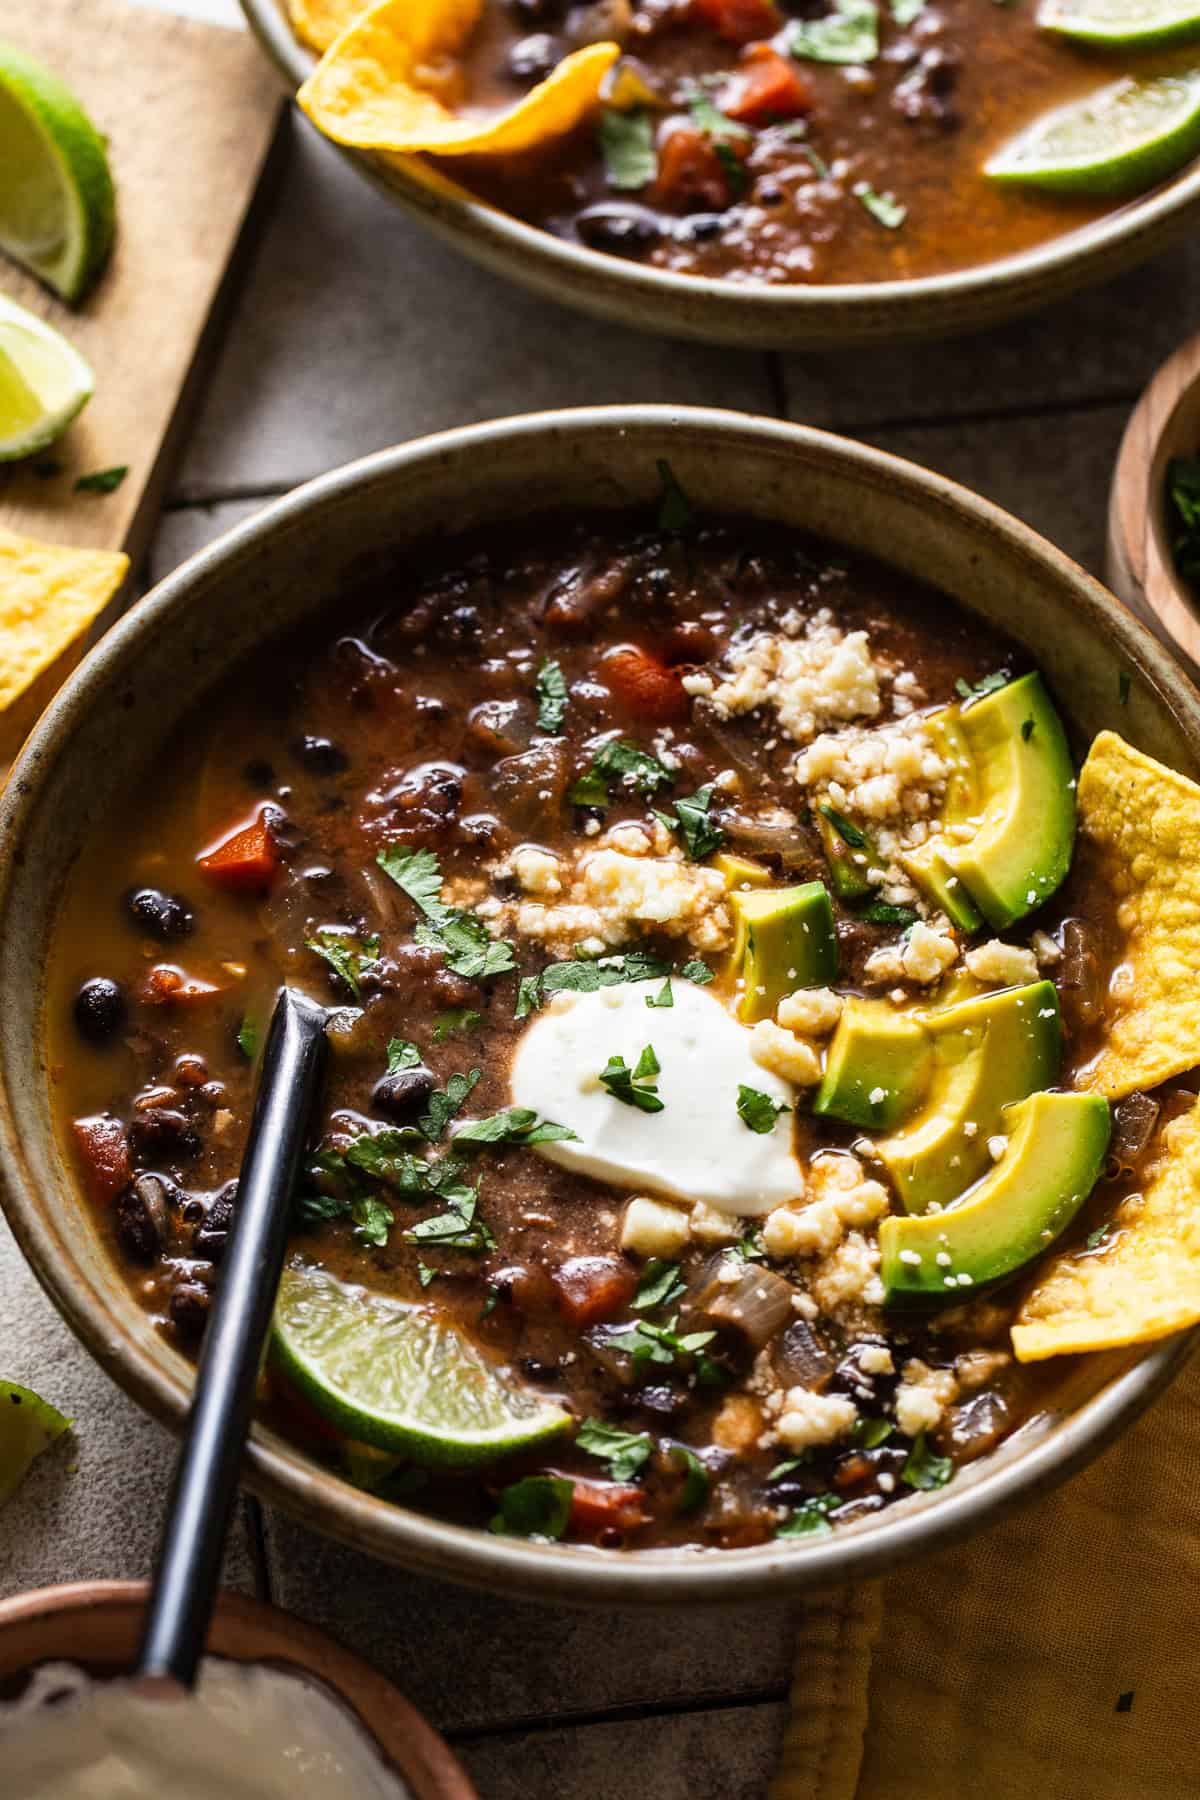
996, 1146
812, 675
978, 1368
709, 1225
810, 1012
1005, 965
923, 1396
848, 1281
1045, 948
652, 1228
875, 1359
784, 1054
615, 895
845, 1199
922, 957
537, 872
803, 1418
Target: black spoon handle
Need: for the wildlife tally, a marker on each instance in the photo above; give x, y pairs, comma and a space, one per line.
206, 1474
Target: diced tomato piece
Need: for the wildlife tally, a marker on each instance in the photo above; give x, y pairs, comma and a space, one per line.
245, 861
166, 985
598, 1506
741, 21
103, 1154
766, 88
691, 172
591, 1288
653, 693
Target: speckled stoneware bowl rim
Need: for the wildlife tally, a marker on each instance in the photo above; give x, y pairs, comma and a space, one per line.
97, 1625
507, 463
758, 316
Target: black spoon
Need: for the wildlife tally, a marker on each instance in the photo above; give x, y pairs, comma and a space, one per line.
206, 1474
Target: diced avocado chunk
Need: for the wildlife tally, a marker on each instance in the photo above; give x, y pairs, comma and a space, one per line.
987, 1053
878, 1066
740, 872
842, 843
785, 939
939, 884
1021, 848
1055, 1152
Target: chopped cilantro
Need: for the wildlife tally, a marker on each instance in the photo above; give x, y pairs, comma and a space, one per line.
529, 996
988, 685
469, 949
316, 1209
458, 1228
490, 1301
419, 874
849, 834
373, 1219
515, 1125
1101, 1235
848, 35
402, 1054
1026, 729
551, 690
664, 996
618, 761
905, 11
247, 1037
660, 1344
695, 1476
347, 956
697, 971
757, 1111
636, 1086
820, 167
660, 1285
700, 832
458, 1019
586, 977
674, 508
789, 1466
889, 211
750, 1246
442, 1106
538, 1506
425, 1274
627, 146
882, 912
737, 176
810, 1519
102, 481
1183, 491
1123, 686
923, 1469
708, 117
386, 1156
623, 1451
870, 1433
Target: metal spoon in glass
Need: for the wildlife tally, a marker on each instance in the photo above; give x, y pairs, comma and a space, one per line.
206, 1474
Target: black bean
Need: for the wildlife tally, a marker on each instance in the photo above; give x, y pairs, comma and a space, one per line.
535, 1370
160, 1129
141, 1217
402, 1095
212, 1234
321, 755
258, 774
164, 916
188, 1309
100, 1009
699, 227
619, 227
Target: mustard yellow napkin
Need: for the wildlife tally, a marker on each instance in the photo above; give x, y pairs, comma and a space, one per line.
1055, 1658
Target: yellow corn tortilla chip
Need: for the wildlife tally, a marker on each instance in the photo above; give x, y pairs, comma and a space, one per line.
1143, 1282
1145, 821
371, 88
318, 22
49, 595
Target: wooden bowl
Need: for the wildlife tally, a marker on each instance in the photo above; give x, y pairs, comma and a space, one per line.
96, 1625
1140, 568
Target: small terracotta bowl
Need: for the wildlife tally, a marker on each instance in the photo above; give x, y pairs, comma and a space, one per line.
96, 1625
1164, 424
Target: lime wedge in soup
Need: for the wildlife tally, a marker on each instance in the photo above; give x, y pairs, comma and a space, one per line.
1119, 23
57, 206
28, 1425
400, 1376
1118, 140
44, 382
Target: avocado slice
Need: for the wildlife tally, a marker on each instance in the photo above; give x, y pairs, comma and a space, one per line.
927, 867
740, 872
1056, 1149
987, 1052
1021, 849
784, 940
878, 1066
842, 842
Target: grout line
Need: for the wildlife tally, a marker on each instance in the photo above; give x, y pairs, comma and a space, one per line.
256, 1538
617, 1715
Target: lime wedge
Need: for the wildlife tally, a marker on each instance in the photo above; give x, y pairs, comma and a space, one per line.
400, 1376
57, 208
1120, 139
1137, 24
43, 382
28, 1425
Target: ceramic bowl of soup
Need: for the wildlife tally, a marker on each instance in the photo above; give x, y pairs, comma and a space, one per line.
770, 191
676, 812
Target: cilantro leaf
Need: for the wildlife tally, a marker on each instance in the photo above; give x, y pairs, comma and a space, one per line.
586, 976
870, 1433
514, 1125
757, 1111
469, 947
386, 1156
882, 912
538, 1506
529, 996
1094, 1239
442, 1106
889, 211
849, 834
620, 761
636, 1086
347, 956
419, 874
623, 1451
750, 1246
923, 1469
316, 1209
848, 35
627, 146
458, 1019
708, 117
458, 1228
102, 481
697, 971
247, 1037
810, 1519
660, 1284
664, 996
402, 1054
695, 1479
425, 1274
373, 1219
674, 508
700, 832
661, 1345
551, 690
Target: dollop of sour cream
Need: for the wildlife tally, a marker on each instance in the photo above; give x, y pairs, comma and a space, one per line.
697, 1147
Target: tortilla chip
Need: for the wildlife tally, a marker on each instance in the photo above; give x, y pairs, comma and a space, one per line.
49, 595
372, 89
318, 22
1142, 1281
1145, 821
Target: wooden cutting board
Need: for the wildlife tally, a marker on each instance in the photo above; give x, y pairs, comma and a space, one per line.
190, 111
